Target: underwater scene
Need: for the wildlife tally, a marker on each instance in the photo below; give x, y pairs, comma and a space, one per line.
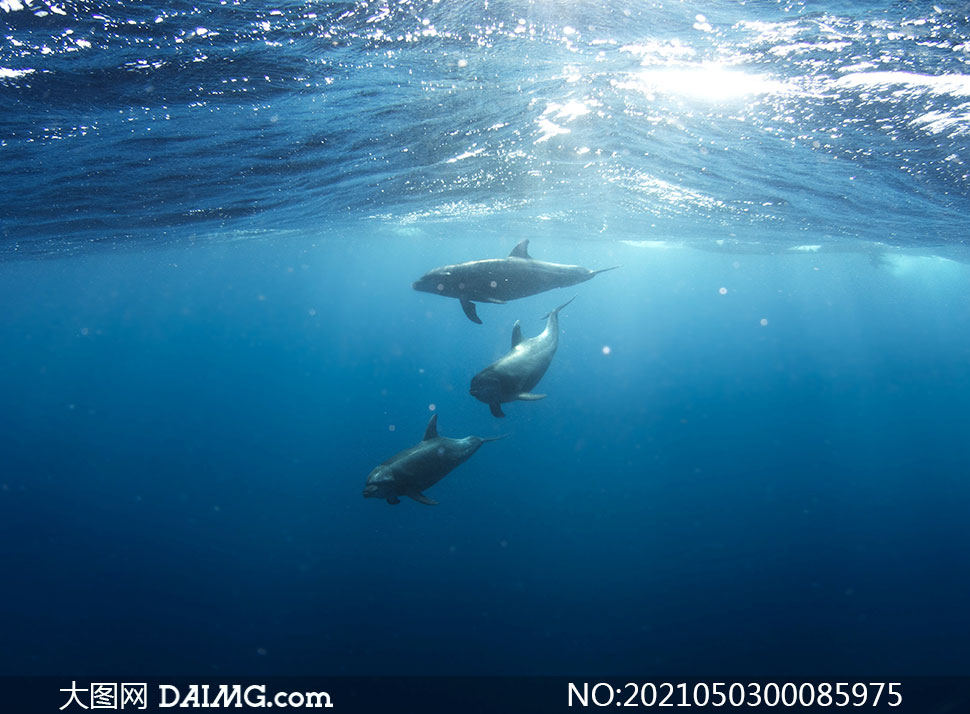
492, 337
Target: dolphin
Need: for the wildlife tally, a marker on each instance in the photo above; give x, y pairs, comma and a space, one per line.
498, 280
411, 471
514, 375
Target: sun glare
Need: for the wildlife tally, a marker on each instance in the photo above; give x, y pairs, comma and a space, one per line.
703, 81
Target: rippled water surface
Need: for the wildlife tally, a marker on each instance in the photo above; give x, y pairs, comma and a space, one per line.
753, 122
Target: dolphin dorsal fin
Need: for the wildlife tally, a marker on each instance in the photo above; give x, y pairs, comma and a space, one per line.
516, 334
521, 250
432, 431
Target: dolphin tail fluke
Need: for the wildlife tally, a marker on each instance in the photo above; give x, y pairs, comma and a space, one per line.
556, 311
496, 410
470, 312
604, 270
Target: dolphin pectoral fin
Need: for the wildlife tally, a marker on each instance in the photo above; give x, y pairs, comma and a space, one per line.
530, 397
394, 500
521, 250
496, 410
516, 334
421, 498
469, 307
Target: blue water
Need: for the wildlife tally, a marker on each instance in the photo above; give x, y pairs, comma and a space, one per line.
753, 457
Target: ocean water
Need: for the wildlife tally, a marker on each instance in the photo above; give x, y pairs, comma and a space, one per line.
754, 455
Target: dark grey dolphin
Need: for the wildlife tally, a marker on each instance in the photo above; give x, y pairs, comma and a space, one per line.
422, 466
498, 280
513, 376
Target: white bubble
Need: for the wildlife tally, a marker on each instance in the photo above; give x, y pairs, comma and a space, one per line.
606, 349
391, 427
462, 63
764, 321
432, 407
723, 291
493, 284
441, 286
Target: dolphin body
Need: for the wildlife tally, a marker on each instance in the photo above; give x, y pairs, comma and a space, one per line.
513, 376
413, 470
498, 280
